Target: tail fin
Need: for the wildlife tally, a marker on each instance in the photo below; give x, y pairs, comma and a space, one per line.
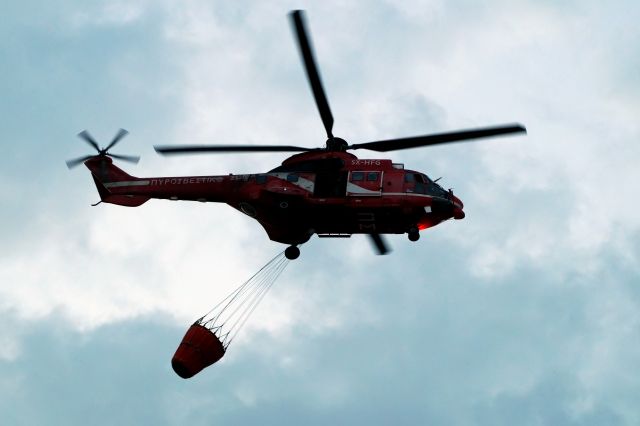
105, 174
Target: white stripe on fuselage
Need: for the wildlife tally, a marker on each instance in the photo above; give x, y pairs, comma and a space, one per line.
126, 183
409, 194
352, 188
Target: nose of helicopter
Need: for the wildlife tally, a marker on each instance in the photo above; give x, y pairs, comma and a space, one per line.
458, 213
448, 207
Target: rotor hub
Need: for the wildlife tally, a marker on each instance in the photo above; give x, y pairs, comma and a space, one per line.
337, 144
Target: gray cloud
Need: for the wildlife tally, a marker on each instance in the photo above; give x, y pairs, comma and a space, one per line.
435, 346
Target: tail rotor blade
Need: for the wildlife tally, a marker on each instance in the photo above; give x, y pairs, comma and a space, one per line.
121, 134
130, 158
379, 243
297, 19
73, 163
86, 136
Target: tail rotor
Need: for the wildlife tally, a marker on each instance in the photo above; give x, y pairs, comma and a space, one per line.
104, 152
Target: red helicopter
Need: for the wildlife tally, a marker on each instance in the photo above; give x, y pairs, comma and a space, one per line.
325, 191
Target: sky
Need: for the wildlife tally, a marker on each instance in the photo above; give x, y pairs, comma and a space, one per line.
525, 312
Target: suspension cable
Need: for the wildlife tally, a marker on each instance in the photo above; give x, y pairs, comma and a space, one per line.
235, 309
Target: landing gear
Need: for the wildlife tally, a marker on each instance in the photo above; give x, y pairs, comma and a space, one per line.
414, 234
292, 252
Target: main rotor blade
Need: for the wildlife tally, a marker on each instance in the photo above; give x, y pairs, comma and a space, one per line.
130, 158
297, 19
198, 149
73, 163
379, 243
440, 138
89, 139
121, 134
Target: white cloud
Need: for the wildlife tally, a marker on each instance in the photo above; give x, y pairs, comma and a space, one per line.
131, 262
112, 13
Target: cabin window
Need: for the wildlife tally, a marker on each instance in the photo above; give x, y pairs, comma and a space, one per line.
261, 179
408, 177
372, 176
292, 177
357, 176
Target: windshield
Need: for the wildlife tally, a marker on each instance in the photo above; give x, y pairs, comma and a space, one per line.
434, 189
424, 185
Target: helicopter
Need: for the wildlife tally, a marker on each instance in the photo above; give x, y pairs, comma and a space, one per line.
326, 191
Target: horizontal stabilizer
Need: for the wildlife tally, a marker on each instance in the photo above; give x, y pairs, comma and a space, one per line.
121, 200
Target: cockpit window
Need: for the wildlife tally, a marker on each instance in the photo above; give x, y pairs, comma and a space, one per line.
422, 184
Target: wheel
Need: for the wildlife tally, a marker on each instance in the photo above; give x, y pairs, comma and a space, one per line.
414, 234
292, 252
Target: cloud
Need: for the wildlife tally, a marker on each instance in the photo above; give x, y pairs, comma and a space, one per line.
435, 345
526, 306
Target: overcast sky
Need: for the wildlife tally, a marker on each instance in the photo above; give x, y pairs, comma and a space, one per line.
525, 312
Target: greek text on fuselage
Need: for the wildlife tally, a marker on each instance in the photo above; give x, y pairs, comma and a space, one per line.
186, 180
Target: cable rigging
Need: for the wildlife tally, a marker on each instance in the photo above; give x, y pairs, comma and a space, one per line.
208, 339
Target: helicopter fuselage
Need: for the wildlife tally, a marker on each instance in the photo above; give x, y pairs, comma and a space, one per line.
332, 194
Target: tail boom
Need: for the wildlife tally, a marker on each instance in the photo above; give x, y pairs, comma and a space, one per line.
115, 186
